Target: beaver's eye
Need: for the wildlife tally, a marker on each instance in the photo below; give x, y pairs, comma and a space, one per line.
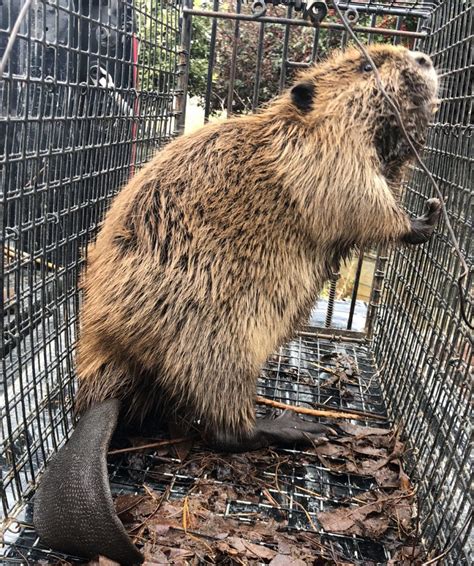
367, 67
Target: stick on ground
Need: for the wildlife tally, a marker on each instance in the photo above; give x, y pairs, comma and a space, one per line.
158, 444
315, 412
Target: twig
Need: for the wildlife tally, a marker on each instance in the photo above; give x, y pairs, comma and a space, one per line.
169, 442
314, 412
12, 253
303, 489
336, 557
362, 414
305, 511
152, 494
131, 506
142, 525
283, 494
186, 514
200, 540
374, 376
27, 562
382, 500
325, 369
13, 33
394, 106
271, 499
451, 546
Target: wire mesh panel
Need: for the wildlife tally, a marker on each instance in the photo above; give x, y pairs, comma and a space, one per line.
404, 7
86, 95
239, 61
296, 487
421, 341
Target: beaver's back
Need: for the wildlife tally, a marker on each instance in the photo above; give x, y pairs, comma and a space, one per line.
198, 271
212, 254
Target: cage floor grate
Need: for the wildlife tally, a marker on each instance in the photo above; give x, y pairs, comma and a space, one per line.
305, 486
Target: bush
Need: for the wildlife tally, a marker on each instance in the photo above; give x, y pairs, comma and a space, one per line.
300, 49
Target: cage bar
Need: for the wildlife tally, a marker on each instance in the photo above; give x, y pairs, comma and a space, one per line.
419, 335
87, 95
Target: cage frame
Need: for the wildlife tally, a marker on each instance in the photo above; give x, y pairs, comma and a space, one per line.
378, 313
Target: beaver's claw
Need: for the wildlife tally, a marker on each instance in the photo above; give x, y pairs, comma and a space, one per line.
423, 227
73, 507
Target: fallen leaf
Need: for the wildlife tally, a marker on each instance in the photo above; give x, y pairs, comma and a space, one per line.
405, 484
368, 450
155, 556
285, 560
332, 449
387, 477
259, 550
363, 431
407, 556
224, 485
131, 508
103, 561
237, 543
227, 549
374, 527
371, 518
337, 521
182, 449
176, 553
160, 528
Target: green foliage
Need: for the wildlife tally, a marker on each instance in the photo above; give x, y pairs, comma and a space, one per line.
157, 31
199, 56
157, 23
300, 49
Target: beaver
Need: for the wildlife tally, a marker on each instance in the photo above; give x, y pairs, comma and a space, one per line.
212, 256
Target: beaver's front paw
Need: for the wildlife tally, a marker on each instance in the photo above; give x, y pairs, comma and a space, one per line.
423, 227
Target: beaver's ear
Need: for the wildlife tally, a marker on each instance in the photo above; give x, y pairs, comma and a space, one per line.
302, 95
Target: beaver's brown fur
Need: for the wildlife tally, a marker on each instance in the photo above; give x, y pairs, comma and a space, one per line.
216, 250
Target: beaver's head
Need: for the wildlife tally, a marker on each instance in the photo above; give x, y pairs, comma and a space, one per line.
344, 88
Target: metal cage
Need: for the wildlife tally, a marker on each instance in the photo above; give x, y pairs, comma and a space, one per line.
89, 90
87, 95
420, 339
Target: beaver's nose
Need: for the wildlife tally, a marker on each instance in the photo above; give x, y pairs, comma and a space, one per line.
422, 60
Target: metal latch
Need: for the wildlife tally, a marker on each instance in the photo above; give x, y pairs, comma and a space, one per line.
315, 10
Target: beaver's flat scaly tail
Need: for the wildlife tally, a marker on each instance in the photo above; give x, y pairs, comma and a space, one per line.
73, 507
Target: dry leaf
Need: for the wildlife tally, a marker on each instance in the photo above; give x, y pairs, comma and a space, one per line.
363, 431
182, 449
222, 478
103, 561
407, 556
259, 550
155, 556
284, 560
160, 528
177, 553
370, 519
386, 478
405, 484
